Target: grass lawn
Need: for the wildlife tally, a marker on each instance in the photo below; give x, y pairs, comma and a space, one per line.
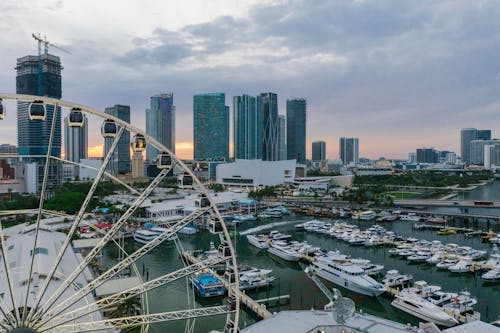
404, 195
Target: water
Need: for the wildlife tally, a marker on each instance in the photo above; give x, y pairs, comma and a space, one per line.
293, 281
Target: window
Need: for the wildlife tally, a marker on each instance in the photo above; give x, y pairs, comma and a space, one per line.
10, 247
40, 250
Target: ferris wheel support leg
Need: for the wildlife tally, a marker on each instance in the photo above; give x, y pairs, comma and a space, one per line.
77, 221
40, 207
107, 237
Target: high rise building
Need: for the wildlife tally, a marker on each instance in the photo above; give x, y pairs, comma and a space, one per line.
296, 129
247, 127
120, 162
349, 150
477, 152
484, 134
44, 80
427, 155
137, 165
319, 151
75, 142
160, 123
466, 136
270, 144
210, 126
282, 144
412, 157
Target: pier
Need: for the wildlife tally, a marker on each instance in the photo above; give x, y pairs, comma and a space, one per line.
250, 303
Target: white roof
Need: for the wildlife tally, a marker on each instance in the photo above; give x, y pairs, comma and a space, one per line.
475, 326
85, 243
114, 286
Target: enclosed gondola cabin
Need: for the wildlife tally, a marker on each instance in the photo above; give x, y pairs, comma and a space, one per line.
2, 110
164, 161
76, 118
37, 111
109, 128
139, 143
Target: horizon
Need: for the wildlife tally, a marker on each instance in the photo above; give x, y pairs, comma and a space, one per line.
399, 76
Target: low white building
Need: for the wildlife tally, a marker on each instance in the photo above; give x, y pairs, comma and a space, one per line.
256, 173
89, 173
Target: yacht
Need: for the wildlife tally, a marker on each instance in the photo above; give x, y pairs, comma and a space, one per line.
393, 278
276, 235
159, 230
463, 266
436, 220
255, 278
367, 215
410, 217
145, 236
419, 307
258, 241
494, 259
345, 274
440, 298
492, 275
436, 258
284, 252
188, 230
207, 284
447, 263
244, 218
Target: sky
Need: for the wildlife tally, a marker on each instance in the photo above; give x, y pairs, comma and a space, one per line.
397, 74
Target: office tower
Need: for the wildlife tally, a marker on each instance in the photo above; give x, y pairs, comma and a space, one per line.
33, 136
466, 136
210, 126
75, 141
451, 158
160, 123
319, 151
476, 156
120, 162
427, 155
484, 134
349, 150
6, 148
269, 105
296, 129
282, 144
247, 127
137, 165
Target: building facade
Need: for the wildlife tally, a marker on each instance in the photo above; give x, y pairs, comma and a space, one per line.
282, 144
247, 127
41, 79
477, 152
270, 144
319, 151
120, 162
296, 115
250, 173
466, 136
75, 142
349, 150
210, 127
427, 155
484, 134
160, 123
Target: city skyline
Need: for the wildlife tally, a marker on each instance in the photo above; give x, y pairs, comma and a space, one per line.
357, 65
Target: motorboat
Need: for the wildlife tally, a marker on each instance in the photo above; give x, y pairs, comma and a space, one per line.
284, 252
244, 218
393, 278
258, 241
461, 303
445, 232
492, 275
255, 278
463, 266
423, 289
412, 217
436, 220
436, 258
494, 259
421, 308
367, 215
419, 257
188, 230
276, 235
160, 230
145, 236
345, 274
440, 298
447, 263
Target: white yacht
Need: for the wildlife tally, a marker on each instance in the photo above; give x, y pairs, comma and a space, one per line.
492, 275
159, 230
447, 263
393, 278
463, 266
258, 241
345, 274
255, 278
145, 236
284, 252
367, 215
421, 308
276, 235
412, 217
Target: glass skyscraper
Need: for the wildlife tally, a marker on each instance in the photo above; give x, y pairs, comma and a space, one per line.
247, 127
160, 123
319, 151
282, 145
33, 136
296, 129
120, 163
349, 150
270, 144
75, 142
210, 126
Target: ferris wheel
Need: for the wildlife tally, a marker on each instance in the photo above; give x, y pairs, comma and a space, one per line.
46, 285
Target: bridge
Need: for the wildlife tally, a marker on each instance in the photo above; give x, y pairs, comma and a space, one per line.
444, 203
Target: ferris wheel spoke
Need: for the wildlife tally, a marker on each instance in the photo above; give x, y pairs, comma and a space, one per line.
7, 274
40, 207
75, 224
126, 322
59, 308
136, 291
8, 318
97, 249
106, 173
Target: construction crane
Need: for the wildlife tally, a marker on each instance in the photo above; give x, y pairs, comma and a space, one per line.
46, 44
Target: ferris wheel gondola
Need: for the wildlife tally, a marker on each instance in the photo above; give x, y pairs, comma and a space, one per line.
139, 143
109, 128
37, 110
2, 109
76, 118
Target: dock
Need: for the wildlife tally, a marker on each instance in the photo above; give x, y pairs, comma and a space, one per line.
250, 303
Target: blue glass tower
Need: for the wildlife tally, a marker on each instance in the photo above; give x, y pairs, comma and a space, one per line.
120, 163
270, 125
210, 127
160, 123
296, 129
247, 127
